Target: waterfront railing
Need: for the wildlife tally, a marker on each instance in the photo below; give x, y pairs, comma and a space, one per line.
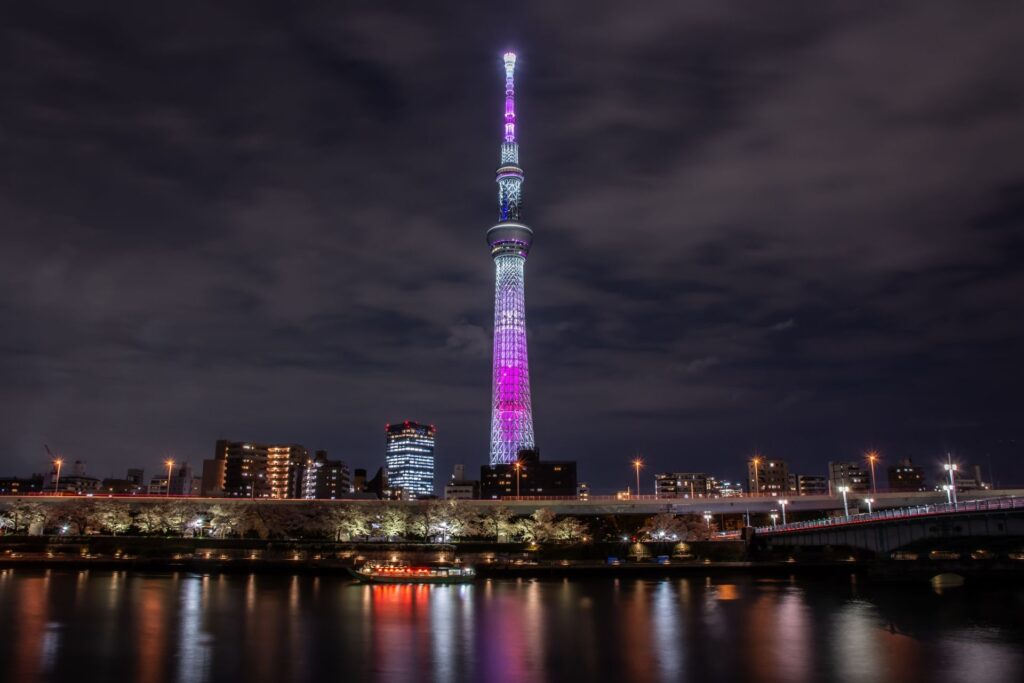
988, 505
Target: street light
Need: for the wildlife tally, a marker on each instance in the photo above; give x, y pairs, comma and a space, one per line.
707, 518
869, 501
170, 465
757, 481
774, 517
757, 484
637, 464
783, 503
951, 468
198, 525
56, 482
518, 464
846, 508
872, 457
949, 498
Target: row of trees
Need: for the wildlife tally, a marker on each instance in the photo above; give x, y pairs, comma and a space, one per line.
440, 521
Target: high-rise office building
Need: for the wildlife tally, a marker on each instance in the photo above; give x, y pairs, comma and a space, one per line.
510, 240
409, 456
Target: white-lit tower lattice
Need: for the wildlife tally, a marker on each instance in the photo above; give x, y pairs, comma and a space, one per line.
510, 240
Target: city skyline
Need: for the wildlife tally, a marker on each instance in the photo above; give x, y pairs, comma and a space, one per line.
742, 252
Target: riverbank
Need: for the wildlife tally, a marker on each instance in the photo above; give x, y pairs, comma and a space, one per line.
492, 560
493, 569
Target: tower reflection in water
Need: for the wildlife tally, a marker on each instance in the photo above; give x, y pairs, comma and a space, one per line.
94, 626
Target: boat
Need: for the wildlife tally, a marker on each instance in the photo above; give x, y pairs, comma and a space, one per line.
405, 573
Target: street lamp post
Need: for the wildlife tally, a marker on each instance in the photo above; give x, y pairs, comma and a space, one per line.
170, 466
519, 466
757, 483
846, 508
637, 464
707, 519
56, 482
869, 501
949, 498
774, 517
783, 504
872, 459
950, 467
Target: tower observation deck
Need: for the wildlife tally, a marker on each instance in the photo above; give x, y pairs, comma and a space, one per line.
510, 241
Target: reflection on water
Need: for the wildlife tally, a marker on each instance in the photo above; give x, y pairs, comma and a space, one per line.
89, 626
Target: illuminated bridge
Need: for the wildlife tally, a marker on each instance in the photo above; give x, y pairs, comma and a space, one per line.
884, 531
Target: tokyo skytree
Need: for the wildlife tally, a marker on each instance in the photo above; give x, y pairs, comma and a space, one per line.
510, 240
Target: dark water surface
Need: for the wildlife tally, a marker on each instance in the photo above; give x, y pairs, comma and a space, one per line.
116, 626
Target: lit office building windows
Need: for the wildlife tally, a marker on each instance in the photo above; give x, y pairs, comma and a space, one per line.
410, 459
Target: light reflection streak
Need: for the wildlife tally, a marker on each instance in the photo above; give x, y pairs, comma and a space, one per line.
793, 652
670, 650
193, 645
855, 638
150, 617
443, 638
296, 631
32, 614
637, 636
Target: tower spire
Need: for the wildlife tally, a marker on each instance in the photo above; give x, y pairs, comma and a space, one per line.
510, 175
510, 241
510, 97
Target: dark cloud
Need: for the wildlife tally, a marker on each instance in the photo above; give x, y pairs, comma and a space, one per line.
769, 226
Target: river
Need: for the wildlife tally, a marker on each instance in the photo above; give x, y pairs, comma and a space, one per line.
87, 626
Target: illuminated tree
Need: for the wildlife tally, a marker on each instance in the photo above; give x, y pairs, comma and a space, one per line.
224, 520
21, 516
441, 521
664, 526
347, 523
112, 517
153, 518
393, 522
538, 527
497, 522
74, 515
569, 529
697, 529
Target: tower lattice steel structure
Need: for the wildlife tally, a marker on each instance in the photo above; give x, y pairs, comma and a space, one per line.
510, 240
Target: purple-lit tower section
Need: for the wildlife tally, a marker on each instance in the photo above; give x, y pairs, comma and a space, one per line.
510, 240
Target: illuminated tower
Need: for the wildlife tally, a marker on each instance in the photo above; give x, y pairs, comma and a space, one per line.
510, 240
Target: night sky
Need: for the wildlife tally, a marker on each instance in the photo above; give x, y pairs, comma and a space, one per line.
783, 227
